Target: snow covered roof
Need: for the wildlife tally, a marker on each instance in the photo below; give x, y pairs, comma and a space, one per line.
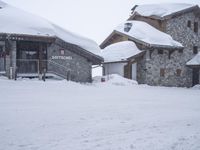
120, 51
194, 61
16, 21
160, 10
144, 32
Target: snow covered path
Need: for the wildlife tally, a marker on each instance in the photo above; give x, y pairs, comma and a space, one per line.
60, 115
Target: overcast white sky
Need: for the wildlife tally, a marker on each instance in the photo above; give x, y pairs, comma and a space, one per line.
94, 19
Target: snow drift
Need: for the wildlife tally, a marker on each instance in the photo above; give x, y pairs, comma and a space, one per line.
114, 79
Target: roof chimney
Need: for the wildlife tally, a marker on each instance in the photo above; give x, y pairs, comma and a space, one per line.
127, 26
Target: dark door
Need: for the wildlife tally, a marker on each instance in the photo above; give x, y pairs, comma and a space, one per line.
195, 79
128, 71
2, 58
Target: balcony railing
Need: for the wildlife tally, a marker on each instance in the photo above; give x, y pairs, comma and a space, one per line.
38, 68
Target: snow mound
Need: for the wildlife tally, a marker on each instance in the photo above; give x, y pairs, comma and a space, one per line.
17, 21
194, 61
161, 10
114, 79
2, 4
120, 51
144, 32
196, 87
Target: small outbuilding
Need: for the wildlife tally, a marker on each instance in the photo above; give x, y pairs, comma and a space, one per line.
121, 58
31, 46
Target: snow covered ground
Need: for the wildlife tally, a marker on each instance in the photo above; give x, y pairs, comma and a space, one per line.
61, 115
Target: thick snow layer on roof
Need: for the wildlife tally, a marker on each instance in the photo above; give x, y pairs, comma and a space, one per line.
14, 20
161, 10
194, 61
144, 32
120, 51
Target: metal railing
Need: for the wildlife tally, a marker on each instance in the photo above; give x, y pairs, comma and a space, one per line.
40, 68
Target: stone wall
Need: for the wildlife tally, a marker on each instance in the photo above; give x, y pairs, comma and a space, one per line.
141, 70
178, 29
73, 67
165, 69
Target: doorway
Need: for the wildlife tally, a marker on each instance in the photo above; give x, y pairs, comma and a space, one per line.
2, 58
31, 57
195, 76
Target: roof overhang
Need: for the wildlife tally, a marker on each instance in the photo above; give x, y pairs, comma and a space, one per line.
26, 37
95, 59
194, 66
196, 9
130, 59
167, 47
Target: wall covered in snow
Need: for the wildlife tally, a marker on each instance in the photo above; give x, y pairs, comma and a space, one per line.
114, 68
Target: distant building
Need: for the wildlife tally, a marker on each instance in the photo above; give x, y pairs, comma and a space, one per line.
31, 46
166, 53
121, 58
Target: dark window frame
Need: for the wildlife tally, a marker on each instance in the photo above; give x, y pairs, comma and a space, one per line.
160, 52
189, 24
180, 50
162, 72
178, 72
196, 25
195, 49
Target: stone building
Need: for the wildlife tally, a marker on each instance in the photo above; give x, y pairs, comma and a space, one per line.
33, 47
161, 64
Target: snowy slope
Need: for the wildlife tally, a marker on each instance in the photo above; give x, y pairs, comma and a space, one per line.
142, 31
195, 61
60, 115
161, 10
14, 20
119, 51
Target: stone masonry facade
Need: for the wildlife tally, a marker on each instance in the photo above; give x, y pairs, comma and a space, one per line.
169, 68
178, 29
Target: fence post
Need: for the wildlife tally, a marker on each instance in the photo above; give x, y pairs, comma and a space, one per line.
11, 72
38, 67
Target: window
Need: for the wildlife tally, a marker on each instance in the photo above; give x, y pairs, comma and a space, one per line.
62, 52
178, 72
180, 50
189, 24
195, 50
162, 72
2, 54
160, 52
1, 49
196, 27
